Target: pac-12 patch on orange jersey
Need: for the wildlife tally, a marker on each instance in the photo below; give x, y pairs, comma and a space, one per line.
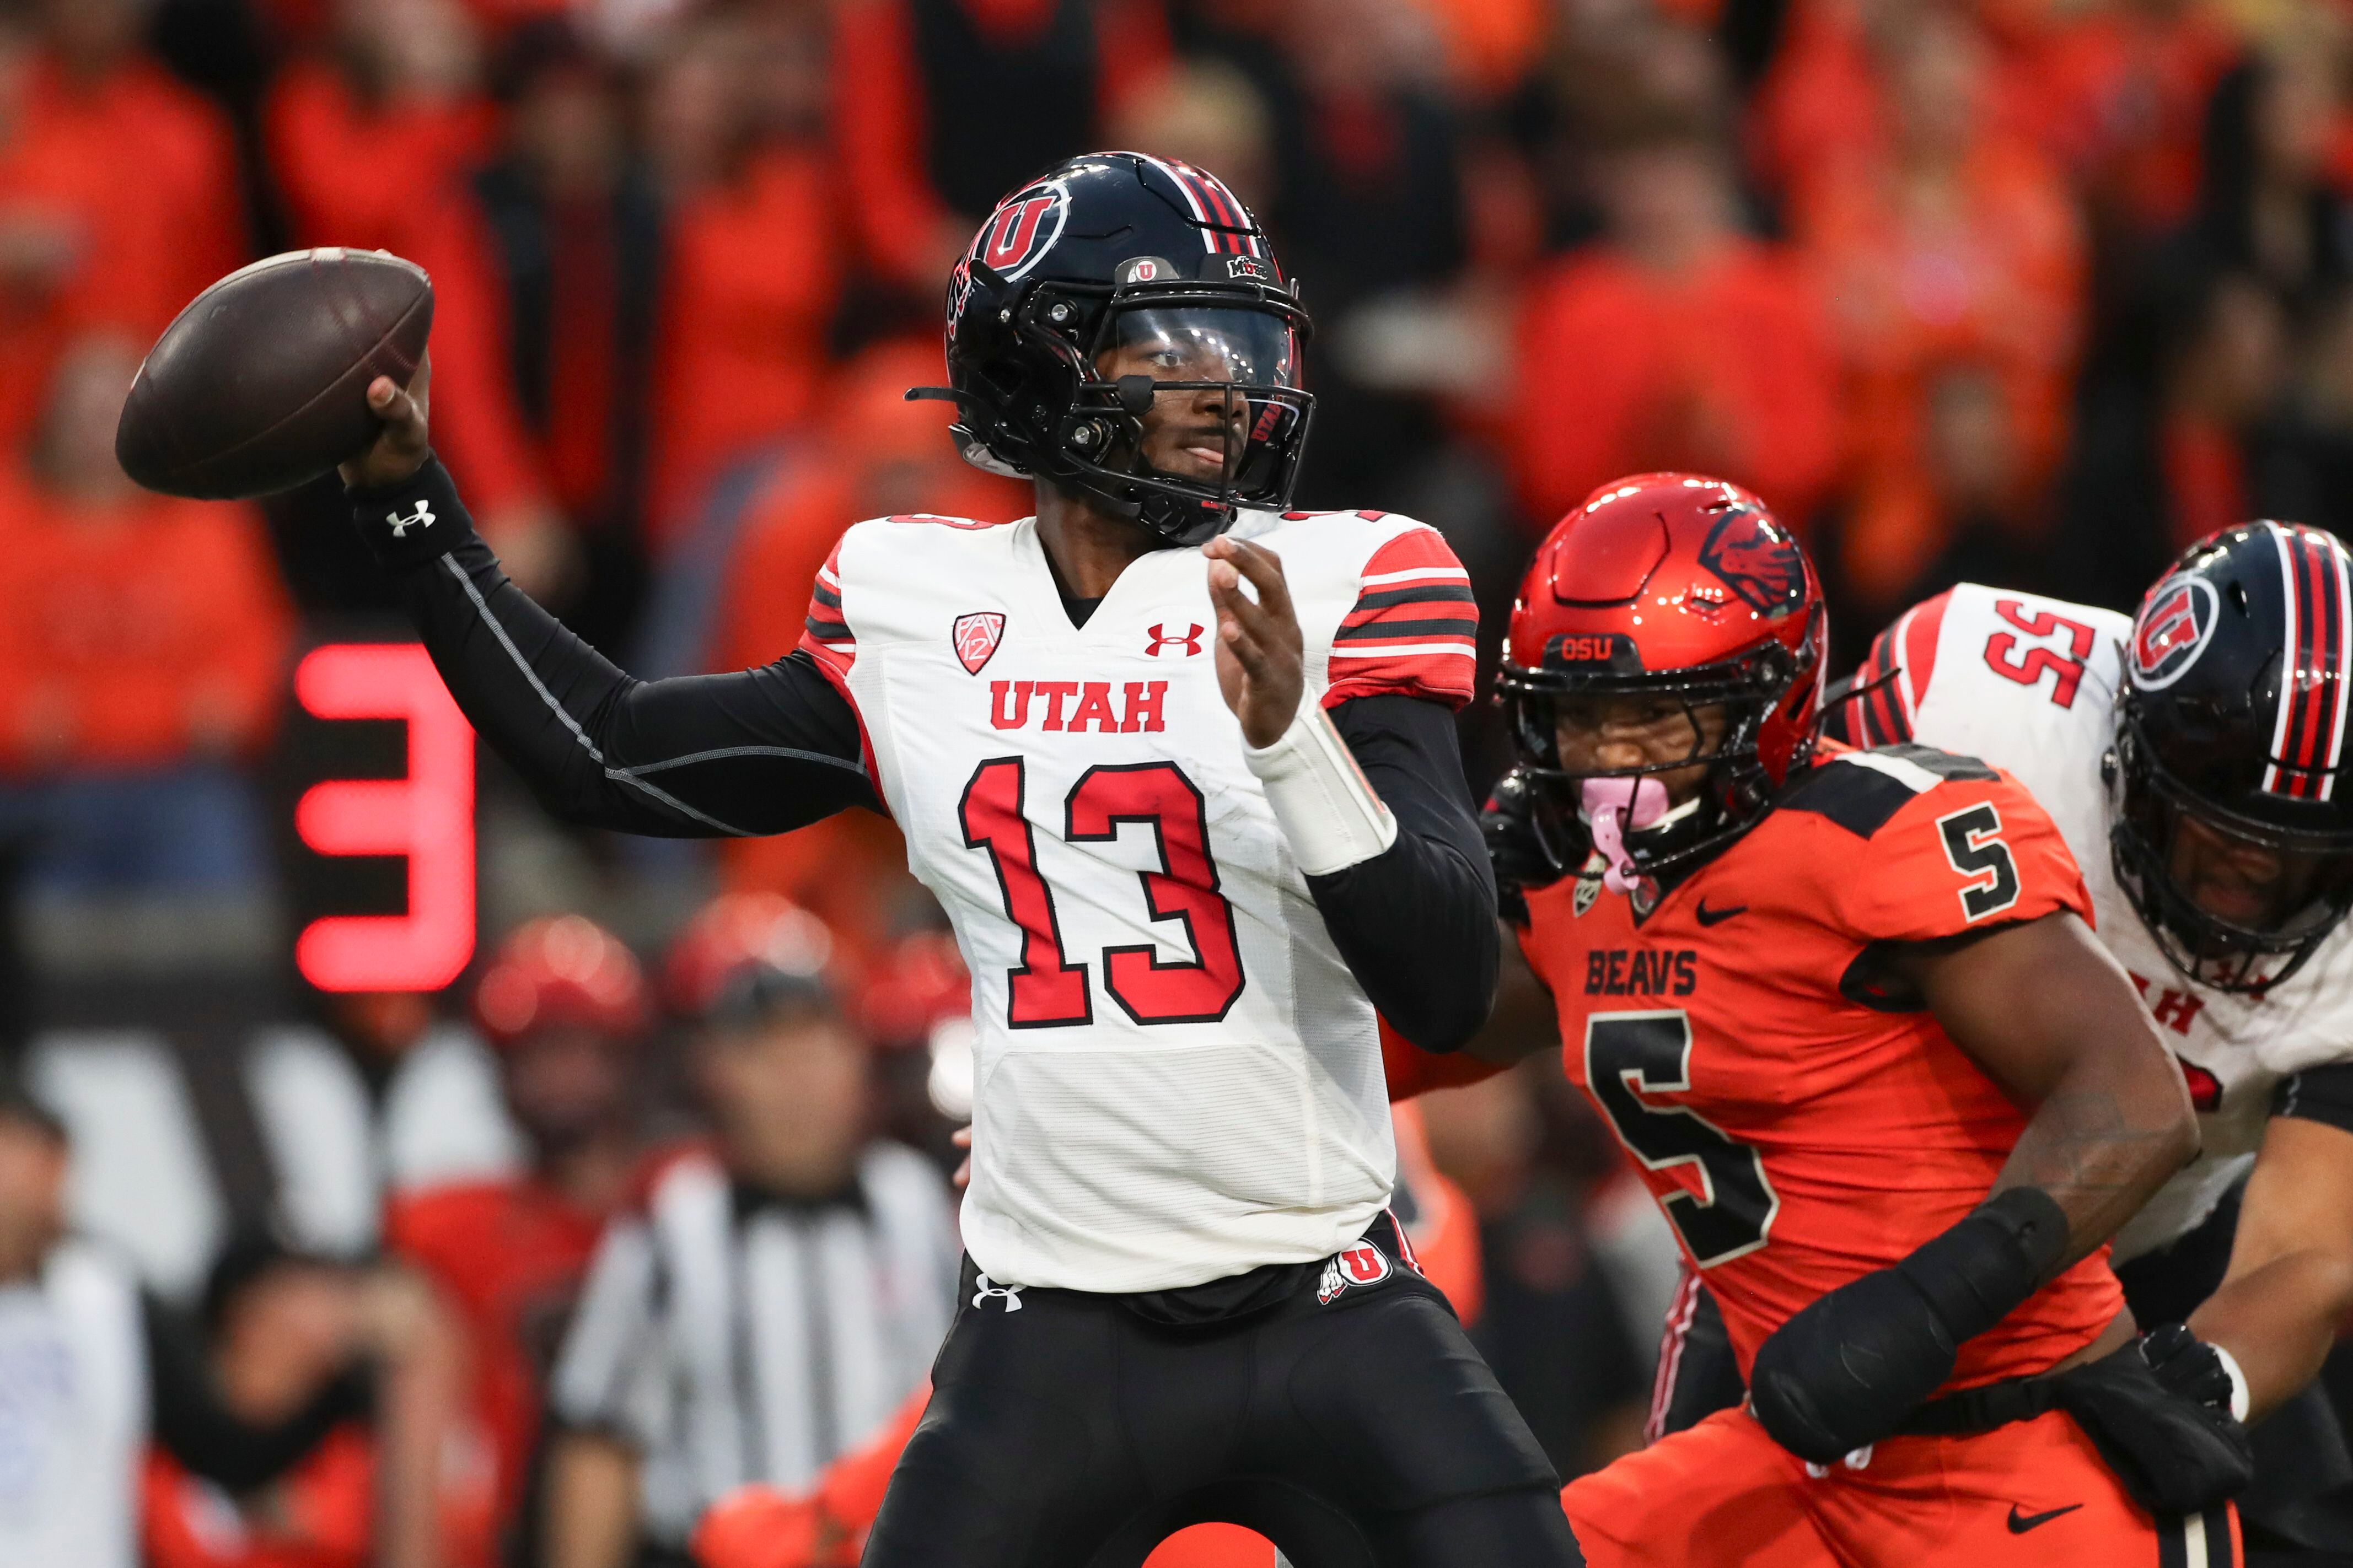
1799, 1124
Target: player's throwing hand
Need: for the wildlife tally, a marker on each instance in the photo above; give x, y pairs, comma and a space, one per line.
1260, 668
405, 441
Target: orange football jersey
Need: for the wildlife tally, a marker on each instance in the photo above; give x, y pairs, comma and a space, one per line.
1798, 1126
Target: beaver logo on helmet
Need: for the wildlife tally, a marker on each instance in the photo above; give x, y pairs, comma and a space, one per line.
1756, 559
2174, 625
1022, 229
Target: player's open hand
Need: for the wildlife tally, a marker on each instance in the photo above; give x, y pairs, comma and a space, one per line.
402, 446
1262, 664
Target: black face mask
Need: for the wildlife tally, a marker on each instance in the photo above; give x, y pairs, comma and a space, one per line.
2310, 895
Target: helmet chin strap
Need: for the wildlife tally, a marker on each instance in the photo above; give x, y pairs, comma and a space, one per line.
1613, 807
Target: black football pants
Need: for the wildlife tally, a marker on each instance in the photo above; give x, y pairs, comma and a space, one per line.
1354, 1429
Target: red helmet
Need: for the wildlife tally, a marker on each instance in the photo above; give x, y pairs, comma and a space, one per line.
746, 951
558, 971
1678, 585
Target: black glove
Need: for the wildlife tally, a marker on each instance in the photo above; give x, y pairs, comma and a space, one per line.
1847, 1370
2159, 1412
1508, 825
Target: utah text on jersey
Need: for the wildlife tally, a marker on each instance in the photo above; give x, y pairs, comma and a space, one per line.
1176, 1076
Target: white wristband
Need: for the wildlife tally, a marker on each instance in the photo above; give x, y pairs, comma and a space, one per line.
2240, 1400
1325, 807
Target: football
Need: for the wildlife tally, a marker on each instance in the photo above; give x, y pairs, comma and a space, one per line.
260, 384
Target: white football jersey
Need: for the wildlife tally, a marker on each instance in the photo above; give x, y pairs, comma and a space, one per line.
2030, 685
1176, 1077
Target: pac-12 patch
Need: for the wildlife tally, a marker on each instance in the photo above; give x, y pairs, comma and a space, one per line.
976, 638
1361, 1265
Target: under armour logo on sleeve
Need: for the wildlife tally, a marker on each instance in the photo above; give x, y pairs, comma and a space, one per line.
1012, 1294
421, 517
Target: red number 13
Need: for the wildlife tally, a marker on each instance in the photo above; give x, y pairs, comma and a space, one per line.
1046, 989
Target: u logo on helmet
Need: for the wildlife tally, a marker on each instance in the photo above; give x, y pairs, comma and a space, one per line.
2173, 628
1020, 232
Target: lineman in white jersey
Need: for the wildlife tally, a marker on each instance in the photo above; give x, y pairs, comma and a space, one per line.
1194, 821
2193, 757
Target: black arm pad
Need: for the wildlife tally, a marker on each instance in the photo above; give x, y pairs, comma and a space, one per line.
1978, 1270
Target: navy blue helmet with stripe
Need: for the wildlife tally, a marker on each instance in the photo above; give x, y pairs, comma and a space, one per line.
1124, 262
2232, 730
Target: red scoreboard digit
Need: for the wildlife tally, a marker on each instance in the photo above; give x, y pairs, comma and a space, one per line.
426, 817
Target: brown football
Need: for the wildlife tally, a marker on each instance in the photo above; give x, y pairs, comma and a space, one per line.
261, 384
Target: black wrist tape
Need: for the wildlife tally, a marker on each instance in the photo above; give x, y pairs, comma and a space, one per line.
1977, 1271
411, 522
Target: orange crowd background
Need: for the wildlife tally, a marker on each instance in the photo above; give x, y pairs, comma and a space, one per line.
2019, 290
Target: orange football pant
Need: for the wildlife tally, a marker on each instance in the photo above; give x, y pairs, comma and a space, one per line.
2026, 1495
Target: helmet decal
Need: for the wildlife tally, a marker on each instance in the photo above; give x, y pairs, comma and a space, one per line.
1022, 229
1226, 225
2308, 736
2175, 624
1757, 560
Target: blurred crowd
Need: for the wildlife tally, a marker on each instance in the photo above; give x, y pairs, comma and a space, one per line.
2022, 292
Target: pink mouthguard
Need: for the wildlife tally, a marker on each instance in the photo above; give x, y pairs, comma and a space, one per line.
1615, 807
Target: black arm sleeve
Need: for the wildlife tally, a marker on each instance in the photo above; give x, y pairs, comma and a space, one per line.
763, 750
2324, 1093
189, 1419
1416, 921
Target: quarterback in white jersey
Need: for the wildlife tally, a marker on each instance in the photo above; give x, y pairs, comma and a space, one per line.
1178, 760
1158, 1106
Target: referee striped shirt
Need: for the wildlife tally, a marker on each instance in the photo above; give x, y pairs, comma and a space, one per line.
731, 1338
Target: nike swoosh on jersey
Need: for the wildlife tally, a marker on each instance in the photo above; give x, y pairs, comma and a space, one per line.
2020, 1523
1708, 917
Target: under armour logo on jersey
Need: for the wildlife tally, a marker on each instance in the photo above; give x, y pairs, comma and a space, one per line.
1012, 1294
421, 517
1189, 640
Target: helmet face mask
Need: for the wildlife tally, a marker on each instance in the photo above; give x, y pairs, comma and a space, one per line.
1723, 708
2229, 803
1144, 308
2162, 837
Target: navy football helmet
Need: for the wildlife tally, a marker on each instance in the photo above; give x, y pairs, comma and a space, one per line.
1123, 260
2230, 732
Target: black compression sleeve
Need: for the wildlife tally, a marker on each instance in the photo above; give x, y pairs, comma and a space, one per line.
1416, 922
762, 751
2324, 1093
196, 1428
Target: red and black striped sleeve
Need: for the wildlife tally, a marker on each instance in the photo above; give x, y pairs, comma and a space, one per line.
1413, 630
826, 635
1881, 703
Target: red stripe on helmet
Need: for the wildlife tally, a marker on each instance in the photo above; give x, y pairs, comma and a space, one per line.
2275, 781
2328, 695
2309, 699
1219, 200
